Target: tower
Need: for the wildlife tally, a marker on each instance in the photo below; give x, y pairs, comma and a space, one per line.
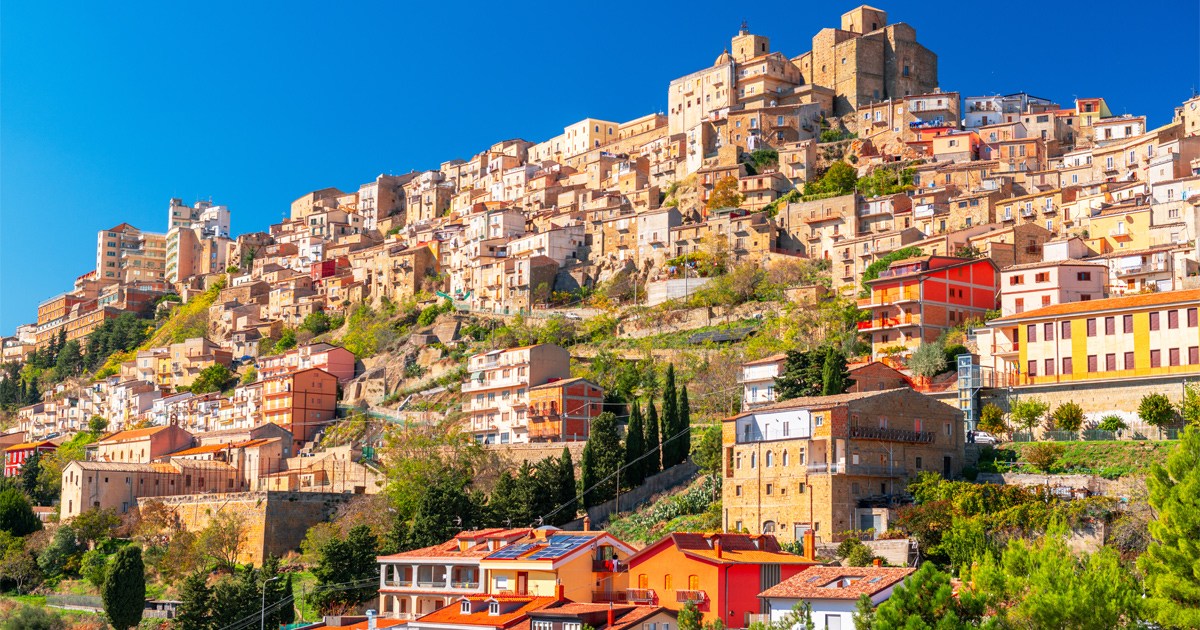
864, 19
746, 46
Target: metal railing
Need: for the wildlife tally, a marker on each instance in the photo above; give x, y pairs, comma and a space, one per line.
639, 594
685, 596
892, 435
605, 597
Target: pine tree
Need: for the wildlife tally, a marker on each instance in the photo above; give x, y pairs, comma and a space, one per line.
273, 591
29, 475
652, 464
434, 522
588, 475
1170, 561
500, 503
802, 374
926, 600
16, 514
521, 510
670, 421
608, 456
344, 562
565, 489
124, 591
635, 448
61, 343
195, 599
685, 424
32, 394
396, 538
287, 614
835, 378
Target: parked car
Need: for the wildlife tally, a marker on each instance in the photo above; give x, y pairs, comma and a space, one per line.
983, 437
574, 316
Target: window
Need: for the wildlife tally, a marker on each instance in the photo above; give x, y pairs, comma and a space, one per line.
1172, 319
800, 488
1191, 318
1066, 330
1048, 328
1091, 327
1049, 364
464, 607
769, 488
1154, 323
737, 491
1155, 358
785, 454
1193, 355
1110, 325
1032, 369
1092, 367
1110, 362
1031, 333
1173, 356
493, 608
667, 582
770, 460
1066, 365
1129, 361
1084, 276
1127, 324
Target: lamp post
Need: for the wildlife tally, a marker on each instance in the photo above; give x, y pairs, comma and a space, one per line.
262, 616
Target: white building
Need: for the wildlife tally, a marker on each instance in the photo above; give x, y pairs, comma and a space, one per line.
758, 380
833, 593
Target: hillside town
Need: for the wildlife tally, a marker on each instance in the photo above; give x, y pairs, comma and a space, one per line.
825, 344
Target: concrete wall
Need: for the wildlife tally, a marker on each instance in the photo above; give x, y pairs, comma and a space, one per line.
655, 484
276, 521
1097, 398
659, 292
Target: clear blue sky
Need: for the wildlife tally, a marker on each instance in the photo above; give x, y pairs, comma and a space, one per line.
107, 110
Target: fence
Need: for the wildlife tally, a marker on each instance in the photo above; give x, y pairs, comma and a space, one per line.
76, 602
1098, 435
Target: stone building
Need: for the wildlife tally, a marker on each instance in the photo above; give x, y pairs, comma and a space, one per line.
818, 463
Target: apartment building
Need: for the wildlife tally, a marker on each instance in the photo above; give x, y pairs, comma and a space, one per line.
301, 402
123, 250
1122, 338
831, 463
758, 380
16, 455
917, 299
563, 410
336, 360
1035, 285
587, 564
497, 393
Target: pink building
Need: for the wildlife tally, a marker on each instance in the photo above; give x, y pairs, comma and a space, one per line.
337, 361
1032, 286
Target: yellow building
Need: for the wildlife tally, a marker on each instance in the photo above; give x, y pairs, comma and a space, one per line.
1125, 338
590, 566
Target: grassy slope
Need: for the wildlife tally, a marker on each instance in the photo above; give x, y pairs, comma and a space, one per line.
1126, 457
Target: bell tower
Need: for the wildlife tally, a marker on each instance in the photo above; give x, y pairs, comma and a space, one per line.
746, 46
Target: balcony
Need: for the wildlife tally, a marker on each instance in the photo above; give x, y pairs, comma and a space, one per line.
1148, 268
908, 319
1028, 213
609, 597
397, 583
1119, 232
639, 595
883, 298
818, 219
604, 566
694, 597
474, 584
892, 435
871, 211
431, 583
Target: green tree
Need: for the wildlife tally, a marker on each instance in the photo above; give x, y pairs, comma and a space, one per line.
1171, 561
316, 323
690, 617
1044, 456
349, 561
1027, 413
95, 525
33, 618
223, 539
564, 488
195, 603
929, 360
588, 478
287, 341
94, 568
97, 425
124, 591
1156, 410
707, 453
1112, 423
1189, 407
1068, 416
29, 475
607, 456
924, 601
685, 424
273, 591
991, 419
213, 378
835, 377
69, 361
802, 375
670, 420
652, 464
1042, 584
61, 550
635, 447
234, 598
287, 614
16, 514
839, 179
502, 500
442, 511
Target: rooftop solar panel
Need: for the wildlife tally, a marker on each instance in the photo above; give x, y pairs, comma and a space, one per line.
512, 551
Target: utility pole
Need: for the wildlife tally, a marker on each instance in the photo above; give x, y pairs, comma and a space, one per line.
262, 616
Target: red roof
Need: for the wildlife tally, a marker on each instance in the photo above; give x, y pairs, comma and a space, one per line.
735, 549
1091, 306
826, 582
513, 608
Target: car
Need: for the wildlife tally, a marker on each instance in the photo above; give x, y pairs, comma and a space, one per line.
983, 437
574, 316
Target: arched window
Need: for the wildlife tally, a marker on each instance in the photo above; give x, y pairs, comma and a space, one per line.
768, 527
753, 459
785, 458
770, 459
667, 584
737, 462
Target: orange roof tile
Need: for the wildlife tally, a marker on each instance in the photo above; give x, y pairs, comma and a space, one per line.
735, 549
362, 625
132, 434
21, 447
453, 614
1117, 303
815, 582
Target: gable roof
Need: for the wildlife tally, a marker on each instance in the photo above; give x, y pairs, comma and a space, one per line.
133, 434
811, 584
735, 549
453, 615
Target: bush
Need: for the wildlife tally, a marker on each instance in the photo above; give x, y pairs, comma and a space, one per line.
1068, 416
861, 556
846, 547
1028, 412
1045, 456
991, 419
34, 618
928, 361
1112, 423
1156, 410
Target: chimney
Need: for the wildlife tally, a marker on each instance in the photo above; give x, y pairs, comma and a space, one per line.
877, 562
810, 545
560, 592
539, 534
371, 624
587, 523
612, 616
717, 545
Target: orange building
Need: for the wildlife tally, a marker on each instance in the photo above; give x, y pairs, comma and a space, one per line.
721, 573
300, 402
562, 410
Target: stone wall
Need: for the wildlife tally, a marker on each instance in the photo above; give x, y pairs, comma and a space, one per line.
276, 522
1097, 398
654, 484
514, 454
664, 290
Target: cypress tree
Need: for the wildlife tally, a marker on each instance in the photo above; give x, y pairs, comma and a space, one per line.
29, 475
608, 455
652, 464
588, 475
195, 603
273, 591
16, 514
500, 502
685, 424
565, 490
635, 448
521, 510
834, 375
32, 394
124, 590
670, 421
287, 614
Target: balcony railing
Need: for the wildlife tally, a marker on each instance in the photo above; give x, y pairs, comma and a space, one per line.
892, 435
1142, 269
397, 583
891, 322
694, 597
474, 584
431, 583
605, 597
639, 595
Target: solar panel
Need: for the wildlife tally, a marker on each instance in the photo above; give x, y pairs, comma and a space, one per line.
512, 551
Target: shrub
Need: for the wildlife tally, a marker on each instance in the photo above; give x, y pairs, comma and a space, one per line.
1113, 423
1028, 412
1045, 456
1156, 410
991, 419
928, 361
848, 546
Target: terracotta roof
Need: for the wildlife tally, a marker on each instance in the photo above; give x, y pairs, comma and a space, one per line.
362, 625
21, 447
133, 434
771, 359
1132, 301
453, 615
450, 548
1054, 263
200, 450
735, 549
811, 584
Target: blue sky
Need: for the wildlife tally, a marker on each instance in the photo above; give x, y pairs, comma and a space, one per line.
108, 110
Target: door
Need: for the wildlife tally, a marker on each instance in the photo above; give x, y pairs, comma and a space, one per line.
946, 466
523, 578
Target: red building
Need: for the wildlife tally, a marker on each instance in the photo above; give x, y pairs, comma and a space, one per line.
722, 574
917, 299
15, 456
333, 359
562, 409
